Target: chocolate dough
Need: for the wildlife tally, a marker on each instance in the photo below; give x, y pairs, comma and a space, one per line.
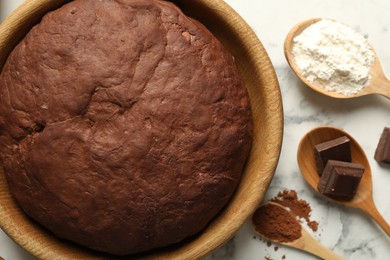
124, 125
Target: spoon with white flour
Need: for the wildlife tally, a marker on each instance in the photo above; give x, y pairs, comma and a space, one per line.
334, 60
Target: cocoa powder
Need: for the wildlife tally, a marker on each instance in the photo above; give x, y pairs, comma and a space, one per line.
276, 223
271, 221
299, 207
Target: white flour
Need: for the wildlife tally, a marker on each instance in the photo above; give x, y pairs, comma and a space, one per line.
334, 57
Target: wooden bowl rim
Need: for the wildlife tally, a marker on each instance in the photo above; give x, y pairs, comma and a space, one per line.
233, 216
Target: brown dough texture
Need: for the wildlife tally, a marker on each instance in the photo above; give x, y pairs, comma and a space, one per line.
124, 125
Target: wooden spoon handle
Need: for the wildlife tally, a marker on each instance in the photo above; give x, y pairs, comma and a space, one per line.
384, 88
323, 252
309, 244
380, 84
371, 210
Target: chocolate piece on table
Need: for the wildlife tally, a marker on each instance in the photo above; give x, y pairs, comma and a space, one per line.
337, 149
382, 153
340, 180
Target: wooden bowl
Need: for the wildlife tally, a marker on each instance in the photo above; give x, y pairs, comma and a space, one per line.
260, 79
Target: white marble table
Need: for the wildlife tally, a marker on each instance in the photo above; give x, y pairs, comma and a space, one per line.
348, 232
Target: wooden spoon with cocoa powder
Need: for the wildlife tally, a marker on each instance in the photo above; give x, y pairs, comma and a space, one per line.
275, 223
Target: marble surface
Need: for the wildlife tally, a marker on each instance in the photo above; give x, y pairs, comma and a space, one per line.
348, 232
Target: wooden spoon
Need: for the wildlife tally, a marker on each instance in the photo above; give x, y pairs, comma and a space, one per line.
379, 83
363, 199
306, 242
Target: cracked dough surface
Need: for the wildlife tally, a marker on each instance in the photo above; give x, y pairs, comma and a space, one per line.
124, 125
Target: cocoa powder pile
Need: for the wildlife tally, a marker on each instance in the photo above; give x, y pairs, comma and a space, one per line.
299, 207
282, 225
276, 223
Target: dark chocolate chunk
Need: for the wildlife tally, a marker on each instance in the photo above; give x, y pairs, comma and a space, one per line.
382, 153
337, 149
340, 180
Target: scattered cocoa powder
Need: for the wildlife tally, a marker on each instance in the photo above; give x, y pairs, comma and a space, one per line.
299, 207
313, 225
270, 220
276, 223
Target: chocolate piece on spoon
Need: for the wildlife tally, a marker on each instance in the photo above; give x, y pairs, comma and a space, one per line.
336, 149
363, 199
340, 180
382, 153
